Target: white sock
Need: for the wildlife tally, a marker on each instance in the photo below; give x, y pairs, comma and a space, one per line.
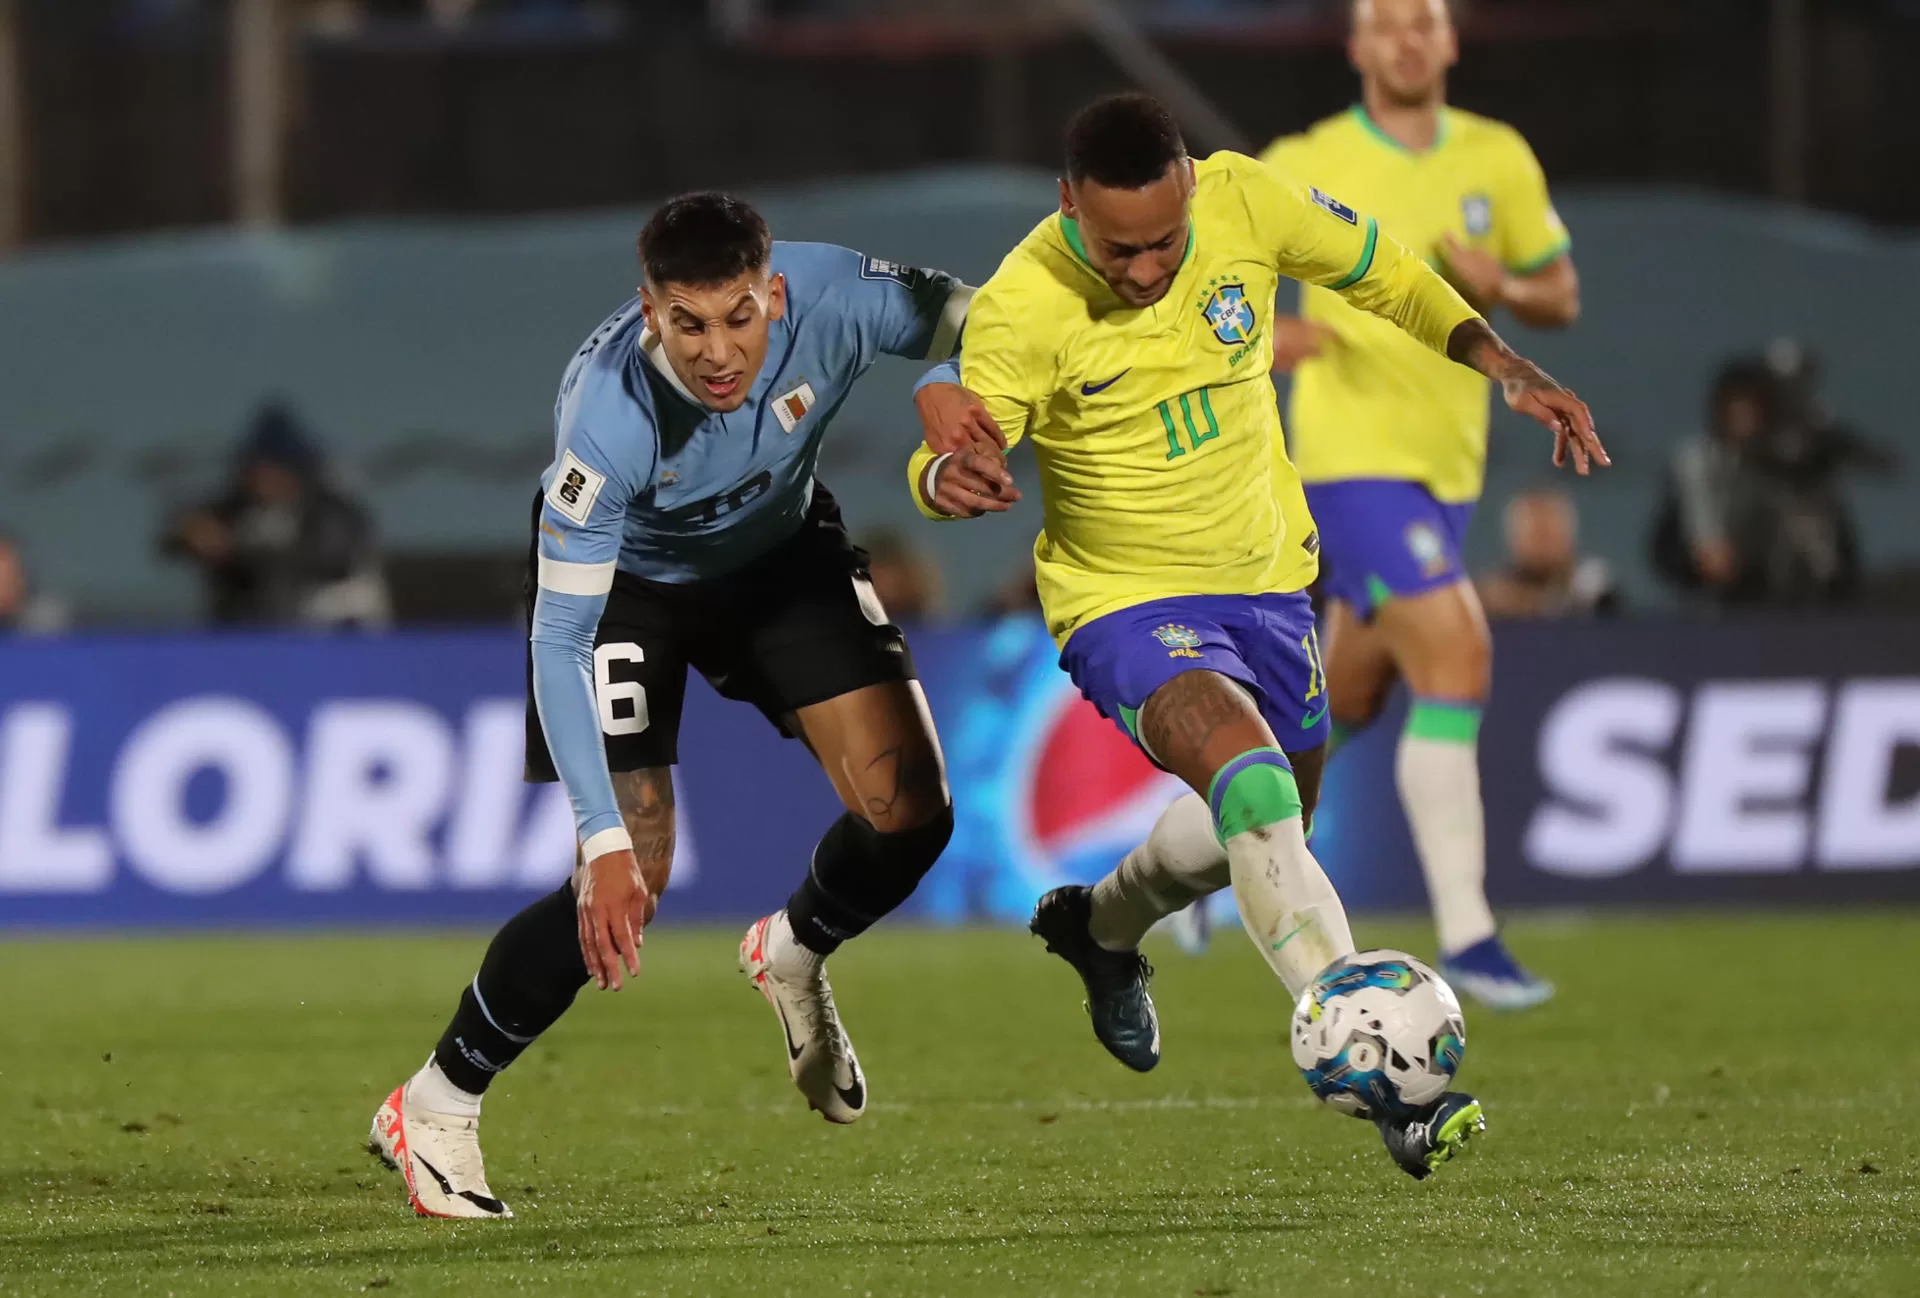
1287, 903
434, 1091
785, 952
1439, 779
1180, 862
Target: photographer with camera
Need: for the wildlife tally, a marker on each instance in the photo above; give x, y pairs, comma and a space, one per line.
1754, 513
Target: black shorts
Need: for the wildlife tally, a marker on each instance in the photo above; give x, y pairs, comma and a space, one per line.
799, 626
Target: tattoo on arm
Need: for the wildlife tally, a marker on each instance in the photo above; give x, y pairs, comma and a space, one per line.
646, 804
1473, 343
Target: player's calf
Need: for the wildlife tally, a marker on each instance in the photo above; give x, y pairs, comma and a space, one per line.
1205, 728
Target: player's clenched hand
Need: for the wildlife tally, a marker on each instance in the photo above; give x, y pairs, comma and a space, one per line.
970, 484
1296, 340
954, 419
1478, 274
1541, 398
614, 906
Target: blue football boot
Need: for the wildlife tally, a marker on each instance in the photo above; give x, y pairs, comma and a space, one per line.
1116, 981
1488, 972
1421, 1144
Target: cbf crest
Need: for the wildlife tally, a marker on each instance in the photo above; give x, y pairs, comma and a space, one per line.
1477, 211
1181, 641
1427, 549
1230, 314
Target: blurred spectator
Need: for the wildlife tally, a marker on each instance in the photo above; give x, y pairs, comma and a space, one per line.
23, 610
907, 582
281, 545
1753, 512
1545, 575
1018, 595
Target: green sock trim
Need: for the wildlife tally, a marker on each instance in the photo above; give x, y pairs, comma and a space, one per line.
1130, 718
1255, 796
1450, 723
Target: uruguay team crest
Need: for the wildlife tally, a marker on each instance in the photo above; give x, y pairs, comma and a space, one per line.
1477, 211
1181, 641
1230, 314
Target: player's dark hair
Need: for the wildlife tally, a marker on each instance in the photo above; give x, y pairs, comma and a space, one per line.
1123, 142
704, 238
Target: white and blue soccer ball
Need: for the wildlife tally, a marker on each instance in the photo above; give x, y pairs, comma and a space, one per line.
1378, 1034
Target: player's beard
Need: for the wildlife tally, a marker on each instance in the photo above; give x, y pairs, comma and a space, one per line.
1431, 93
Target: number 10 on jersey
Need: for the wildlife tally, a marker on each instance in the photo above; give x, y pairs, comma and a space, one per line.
1186, 402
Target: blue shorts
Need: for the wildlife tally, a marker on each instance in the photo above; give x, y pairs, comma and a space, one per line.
1266, 642
1383, 538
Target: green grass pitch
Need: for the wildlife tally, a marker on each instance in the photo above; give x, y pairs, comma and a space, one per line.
1715, 1105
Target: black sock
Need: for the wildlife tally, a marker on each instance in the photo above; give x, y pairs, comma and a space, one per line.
530, 975
859, 875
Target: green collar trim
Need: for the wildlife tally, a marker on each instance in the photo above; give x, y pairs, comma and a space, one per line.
1070, 230
1372, 128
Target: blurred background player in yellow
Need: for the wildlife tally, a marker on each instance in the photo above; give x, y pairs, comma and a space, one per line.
1129, 337
1391, 441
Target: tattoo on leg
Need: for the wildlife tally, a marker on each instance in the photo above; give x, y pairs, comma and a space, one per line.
906, 770
1183, 714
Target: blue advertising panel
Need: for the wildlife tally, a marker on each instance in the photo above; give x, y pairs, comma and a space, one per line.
283, 779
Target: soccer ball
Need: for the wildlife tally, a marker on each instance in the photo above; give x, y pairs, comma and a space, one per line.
1378, 1034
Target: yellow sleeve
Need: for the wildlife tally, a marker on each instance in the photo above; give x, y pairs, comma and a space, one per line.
1527, 231
1320, 240
1001, 363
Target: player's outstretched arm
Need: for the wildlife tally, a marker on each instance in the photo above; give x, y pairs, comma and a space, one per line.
952, 417
1531, 391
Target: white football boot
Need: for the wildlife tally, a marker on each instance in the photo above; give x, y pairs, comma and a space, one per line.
819, 1057
438, 1154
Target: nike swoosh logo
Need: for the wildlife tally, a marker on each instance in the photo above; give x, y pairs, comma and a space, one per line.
471, 1196
1289, 937
1090, 389
855, 1096
793, 1051
1312, 719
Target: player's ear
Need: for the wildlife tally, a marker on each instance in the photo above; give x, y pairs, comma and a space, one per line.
1067, 208
648, 312
776, 296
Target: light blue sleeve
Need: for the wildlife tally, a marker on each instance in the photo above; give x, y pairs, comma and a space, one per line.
582, 518
947, 371
901, 310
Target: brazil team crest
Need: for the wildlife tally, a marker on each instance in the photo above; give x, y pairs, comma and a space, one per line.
1427, 549
1181, 641
1230, 314
1477, 211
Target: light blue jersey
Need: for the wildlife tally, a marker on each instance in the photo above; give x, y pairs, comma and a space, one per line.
648, 481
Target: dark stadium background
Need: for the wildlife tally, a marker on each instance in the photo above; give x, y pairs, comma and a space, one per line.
375, 230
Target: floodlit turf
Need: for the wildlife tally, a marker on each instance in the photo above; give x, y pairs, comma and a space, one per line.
1713, 1106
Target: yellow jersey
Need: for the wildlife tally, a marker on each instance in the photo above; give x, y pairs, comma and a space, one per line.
1374, 404
1162, 467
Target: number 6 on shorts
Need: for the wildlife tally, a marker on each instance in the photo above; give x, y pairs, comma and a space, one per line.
610, 691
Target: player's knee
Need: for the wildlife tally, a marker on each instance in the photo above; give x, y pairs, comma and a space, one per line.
1356, 709
906, 794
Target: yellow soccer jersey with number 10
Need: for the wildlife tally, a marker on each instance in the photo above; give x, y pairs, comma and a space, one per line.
1162, 469
1375, 404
